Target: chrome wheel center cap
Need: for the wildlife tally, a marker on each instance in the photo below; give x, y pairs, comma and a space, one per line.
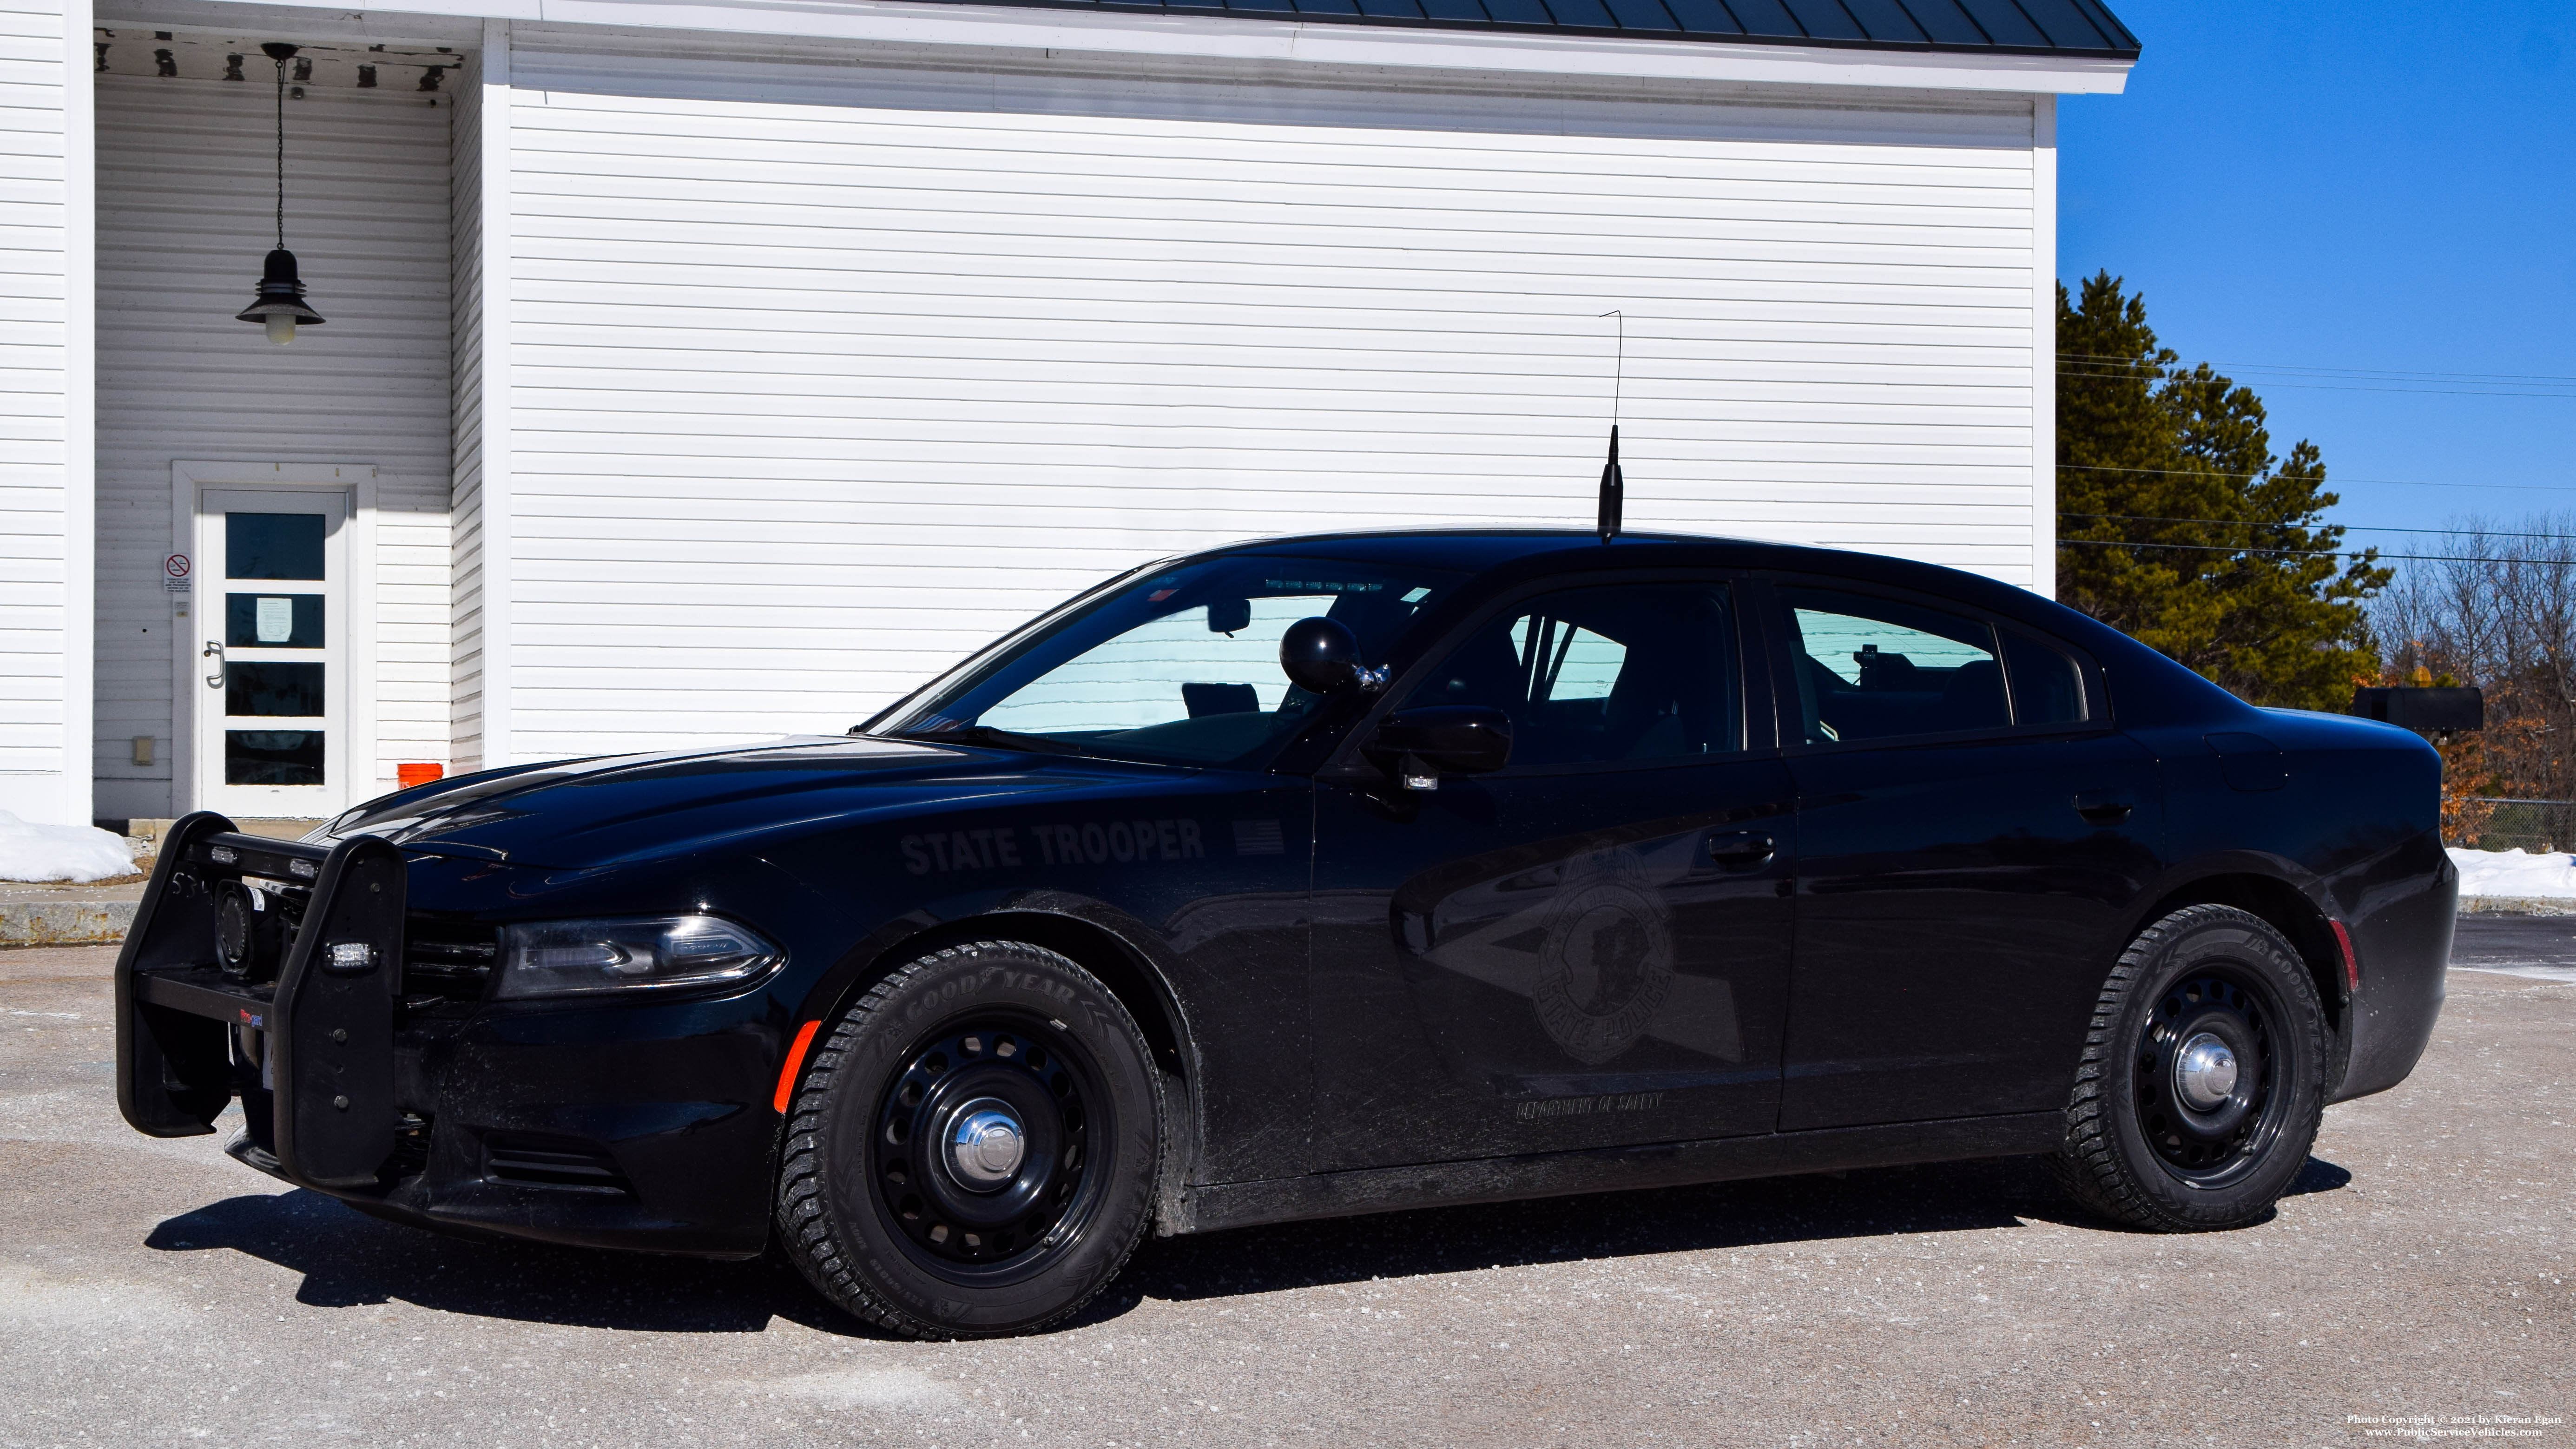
2205, 1073
985, 1144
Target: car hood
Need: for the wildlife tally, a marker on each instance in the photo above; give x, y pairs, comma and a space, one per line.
582, 814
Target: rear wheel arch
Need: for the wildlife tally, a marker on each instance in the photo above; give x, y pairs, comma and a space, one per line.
2288, 910
2203, 1076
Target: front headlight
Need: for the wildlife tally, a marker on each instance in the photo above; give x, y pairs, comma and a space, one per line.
567, 958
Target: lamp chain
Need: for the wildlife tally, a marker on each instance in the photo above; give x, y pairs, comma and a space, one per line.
281, 153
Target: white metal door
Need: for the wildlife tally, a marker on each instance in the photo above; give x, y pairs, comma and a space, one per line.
272, 698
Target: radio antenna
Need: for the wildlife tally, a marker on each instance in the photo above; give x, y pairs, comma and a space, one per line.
1614, 485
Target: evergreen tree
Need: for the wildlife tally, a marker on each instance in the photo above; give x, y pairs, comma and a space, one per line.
2179, 526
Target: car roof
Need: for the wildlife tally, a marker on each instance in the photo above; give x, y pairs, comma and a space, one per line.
1499, 556
1480, 550
1459, 548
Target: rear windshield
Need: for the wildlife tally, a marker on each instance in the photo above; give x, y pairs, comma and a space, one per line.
1177, 665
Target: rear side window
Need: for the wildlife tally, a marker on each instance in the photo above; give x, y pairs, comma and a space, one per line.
1637, 673
1870, 668
2047, 688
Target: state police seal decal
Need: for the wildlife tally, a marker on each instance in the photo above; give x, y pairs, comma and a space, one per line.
1606, 957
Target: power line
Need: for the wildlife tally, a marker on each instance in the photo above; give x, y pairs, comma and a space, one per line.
2372, 555
2270, 383
2348, 527
2225, 548
2386, 482
2397, 372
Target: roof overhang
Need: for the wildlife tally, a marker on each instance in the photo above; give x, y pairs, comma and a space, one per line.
1227, 37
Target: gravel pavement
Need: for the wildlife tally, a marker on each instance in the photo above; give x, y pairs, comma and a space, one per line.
154, 1292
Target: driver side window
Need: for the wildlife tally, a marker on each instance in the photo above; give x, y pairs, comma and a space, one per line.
1619, 672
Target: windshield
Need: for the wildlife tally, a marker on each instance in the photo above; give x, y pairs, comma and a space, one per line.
1177, 666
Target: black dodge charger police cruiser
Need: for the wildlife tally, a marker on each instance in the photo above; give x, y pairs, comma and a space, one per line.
1323, 876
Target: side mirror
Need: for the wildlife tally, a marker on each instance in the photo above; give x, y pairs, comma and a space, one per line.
1457, 739
1322, 656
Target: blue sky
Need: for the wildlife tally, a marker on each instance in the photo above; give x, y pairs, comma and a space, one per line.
2349, 190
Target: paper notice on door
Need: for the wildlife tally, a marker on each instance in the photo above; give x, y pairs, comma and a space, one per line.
274, 620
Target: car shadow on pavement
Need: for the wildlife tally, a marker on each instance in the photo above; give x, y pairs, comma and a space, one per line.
2318, 1176
1820, 1208
2315, 1175
351, 1260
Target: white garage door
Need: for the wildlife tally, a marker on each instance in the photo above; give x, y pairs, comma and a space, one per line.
811, 398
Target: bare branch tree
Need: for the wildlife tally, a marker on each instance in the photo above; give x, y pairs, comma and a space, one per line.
2498, 609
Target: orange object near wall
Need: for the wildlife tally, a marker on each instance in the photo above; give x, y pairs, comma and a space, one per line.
422, 774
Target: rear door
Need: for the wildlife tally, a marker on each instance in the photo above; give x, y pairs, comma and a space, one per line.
1971, 833
1588, 948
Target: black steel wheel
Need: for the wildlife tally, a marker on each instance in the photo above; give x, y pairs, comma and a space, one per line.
2202, 1080
978, 1151
972, 1149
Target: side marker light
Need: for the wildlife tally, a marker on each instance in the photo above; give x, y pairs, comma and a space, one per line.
795, 1059
2351, 967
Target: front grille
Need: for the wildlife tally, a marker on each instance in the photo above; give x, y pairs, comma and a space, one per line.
448, 959
566, 1164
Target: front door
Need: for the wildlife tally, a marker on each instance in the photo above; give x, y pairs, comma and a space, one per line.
1589, 948
272, 686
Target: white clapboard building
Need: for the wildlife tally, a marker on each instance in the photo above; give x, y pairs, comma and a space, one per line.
697, 371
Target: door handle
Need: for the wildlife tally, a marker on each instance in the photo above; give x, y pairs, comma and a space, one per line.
1741, 849
2103, 807
214, 650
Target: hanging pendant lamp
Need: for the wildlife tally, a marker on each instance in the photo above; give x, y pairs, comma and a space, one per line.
281, 292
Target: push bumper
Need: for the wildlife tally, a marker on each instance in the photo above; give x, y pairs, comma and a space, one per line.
640, 1125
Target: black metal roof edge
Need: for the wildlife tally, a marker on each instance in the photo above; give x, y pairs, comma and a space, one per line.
2109, 24
1153, 7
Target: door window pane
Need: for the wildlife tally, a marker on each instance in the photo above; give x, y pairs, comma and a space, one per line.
1180, 666
292, 690
1874, 668
272, 757
273, 545
2046, 686
1190, 665
273, 621
1579, 663
1620, 672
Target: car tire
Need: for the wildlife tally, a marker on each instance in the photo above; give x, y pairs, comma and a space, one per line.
973, 1147
2203, 1077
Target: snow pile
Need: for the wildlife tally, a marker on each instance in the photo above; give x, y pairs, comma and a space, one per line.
60, 852
2512, 873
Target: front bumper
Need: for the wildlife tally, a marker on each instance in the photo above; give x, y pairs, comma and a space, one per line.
641, 1125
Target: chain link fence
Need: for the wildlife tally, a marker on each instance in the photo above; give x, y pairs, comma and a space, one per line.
2537, 826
